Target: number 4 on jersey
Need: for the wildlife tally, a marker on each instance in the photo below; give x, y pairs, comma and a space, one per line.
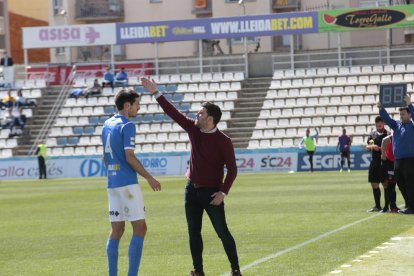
108, 148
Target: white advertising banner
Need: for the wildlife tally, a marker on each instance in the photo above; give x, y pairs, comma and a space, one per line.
155, 163
82, 166
69, 35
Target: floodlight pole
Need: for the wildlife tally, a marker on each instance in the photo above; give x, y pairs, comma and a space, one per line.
26, 63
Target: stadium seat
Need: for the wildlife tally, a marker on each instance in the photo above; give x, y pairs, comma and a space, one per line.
333, 71
73, 141
176, 78
235, 86
185, 78
343, 71
57, 151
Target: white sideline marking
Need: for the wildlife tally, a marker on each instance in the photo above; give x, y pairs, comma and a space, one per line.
336, 271
292, 248
346, 265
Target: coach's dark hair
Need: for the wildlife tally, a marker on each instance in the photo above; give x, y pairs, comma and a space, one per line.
378, 119
125, 96
404, 108
213, 111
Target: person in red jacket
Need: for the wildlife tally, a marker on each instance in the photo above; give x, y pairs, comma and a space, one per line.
389, 182
211, 151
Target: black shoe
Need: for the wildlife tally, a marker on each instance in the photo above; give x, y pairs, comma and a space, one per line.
235, 272
385, 210
196, 273
408, 211
374, 209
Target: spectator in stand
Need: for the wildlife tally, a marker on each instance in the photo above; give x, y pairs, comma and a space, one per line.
23, 102
95, 89
108, 78
6, 60
121, 78
8, 102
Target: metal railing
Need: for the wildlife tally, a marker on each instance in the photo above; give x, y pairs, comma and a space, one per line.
345, 58
61, 99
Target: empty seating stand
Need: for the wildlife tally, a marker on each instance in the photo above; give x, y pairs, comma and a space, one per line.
327, 98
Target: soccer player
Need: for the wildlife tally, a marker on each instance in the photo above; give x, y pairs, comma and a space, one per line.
310, 147
403, 146
124, 194
387, 157
211, 150
375, 170
344, 146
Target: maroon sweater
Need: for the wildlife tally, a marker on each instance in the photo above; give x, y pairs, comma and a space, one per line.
210, 152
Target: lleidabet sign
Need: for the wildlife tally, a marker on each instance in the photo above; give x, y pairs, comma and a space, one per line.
67, 36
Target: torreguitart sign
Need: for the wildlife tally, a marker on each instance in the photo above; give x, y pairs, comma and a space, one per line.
366, 19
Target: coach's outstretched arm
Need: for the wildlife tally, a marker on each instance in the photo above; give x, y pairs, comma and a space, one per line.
168, 108
386, 117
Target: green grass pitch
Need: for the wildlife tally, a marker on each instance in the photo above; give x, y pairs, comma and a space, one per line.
60, 227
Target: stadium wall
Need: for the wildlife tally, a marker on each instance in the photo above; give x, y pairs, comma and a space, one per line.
175, 163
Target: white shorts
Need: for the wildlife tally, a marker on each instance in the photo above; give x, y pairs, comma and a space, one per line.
126, 203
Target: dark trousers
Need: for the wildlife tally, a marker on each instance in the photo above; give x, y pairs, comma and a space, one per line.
404, 172
196, 201
310, 153
42, 167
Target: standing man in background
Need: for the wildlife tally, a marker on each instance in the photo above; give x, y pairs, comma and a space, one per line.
6, 60
310, 147
124, 194
389, 182
344, 146
211, 151
375, 174
41, 153
403, 146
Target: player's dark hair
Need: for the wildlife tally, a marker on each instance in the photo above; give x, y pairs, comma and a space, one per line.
378, 119
404, 108
213, 111
125, 96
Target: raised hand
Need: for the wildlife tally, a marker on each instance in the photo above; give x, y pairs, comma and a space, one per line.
407, 99
150, 85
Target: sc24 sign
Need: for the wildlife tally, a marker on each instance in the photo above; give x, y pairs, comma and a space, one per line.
255, 162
